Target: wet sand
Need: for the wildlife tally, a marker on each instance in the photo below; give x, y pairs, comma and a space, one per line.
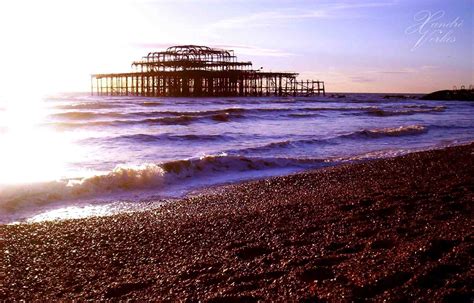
398, 229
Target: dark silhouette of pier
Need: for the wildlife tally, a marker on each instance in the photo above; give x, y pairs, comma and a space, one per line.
200, 71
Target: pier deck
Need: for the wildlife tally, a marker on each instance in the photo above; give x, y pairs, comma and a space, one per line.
199, 71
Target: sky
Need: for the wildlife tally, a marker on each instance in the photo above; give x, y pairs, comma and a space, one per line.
386, 46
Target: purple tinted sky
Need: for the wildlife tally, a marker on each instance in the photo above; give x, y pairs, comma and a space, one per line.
359, 46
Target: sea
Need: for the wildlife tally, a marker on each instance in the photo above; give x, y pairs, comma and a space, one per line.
76, 155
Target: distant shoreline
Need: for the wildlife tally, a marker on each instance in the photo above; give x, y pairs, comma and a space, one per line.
396, 229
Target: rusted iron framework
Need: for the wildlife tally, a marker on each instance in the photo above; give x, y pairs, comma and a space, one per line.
200, 71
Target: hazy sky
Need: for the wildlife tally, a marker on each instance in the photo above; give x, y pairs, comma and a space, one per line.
359, 46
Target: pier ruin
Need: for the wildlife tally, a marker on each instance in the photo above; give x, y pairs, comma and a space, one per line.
200, 71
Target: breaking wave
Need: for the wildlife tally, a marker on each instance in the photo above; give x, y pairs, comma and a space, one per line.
144, 177
257, 136
389, 132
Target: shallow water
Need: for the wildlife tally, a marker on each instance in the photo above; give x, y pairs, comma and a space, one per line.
76, 155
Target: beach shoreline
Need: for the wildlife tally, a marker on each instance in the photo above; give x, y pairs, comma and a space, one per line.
395, 229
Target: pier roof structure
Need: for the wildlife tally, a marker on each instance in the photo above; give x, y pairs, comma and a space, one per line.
201, 71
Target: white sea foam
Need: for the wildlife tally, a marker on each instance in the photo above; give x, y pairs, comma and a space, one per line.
132, 178
166, 136
392, 131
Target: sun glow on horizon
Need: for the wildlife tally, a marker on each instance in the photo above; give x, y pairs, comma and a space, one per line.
53, 46
31, 152
48, 47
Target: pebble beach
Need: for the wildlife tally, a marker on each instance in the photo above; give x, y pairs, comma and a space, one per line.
397, 229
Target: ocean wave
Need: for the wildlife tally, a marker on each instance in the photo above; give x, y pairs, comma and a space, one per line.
184, 119
77, 118
216, 114
424, 106
13, 198
344, 109
419, 110
144, 177
90, 105
284, 144
151, 103
199, 113
75, 125
160, 138
358, 135
79, 115
281, 110
389, 132
303, 115
223, 117
165, 117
